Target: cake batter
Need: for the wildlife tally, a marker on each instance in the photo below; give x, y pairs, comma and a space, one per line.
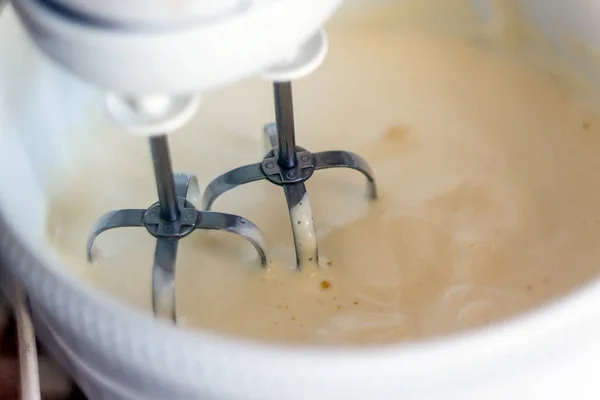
489, 195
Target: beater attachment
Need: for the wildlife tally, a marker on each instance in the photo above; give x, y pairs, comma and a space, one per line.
290, 166
172, 218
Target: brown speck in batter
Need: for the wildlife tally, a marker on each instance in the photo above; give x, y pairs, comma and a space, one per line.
395, 133
325, 285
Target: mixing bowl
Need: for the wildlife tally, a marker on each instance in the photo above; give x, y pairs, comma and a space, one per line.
116, 352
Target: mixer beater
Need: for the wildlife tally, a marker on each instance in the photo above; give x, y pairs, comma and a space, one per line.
290, 166
169, 220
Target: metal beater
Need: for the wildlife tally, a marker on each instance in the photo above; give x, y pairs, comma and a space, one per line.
289, 166
169, 220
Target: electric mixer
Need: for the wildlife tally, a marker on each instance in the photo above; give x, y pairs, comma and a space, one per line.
127, 350
195, 46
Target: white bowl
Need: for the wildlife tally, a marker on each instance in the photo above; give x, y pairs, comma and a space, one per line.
116, 352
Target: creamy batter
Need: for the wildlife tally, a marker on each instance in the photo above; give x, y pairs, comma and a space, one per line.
489, 195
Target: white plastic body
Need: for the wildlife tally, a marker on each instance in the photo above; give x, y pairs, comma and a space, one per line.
183, 56
143, 51
160, 114
115, 352
154, 12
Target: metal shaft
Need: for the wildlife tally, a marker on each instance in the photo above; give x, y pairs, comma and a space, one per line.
284, 115
163, 173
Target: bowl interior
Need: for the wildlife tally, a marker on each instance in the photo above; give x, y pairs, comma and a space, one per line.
45, 112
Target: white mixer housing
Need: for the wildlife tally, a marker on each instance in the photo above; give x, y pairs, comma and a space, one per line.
178, 53
157, 56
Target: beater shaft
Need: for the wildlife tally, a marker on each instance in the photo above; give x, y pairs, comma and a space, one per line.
163, 173
284, 117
